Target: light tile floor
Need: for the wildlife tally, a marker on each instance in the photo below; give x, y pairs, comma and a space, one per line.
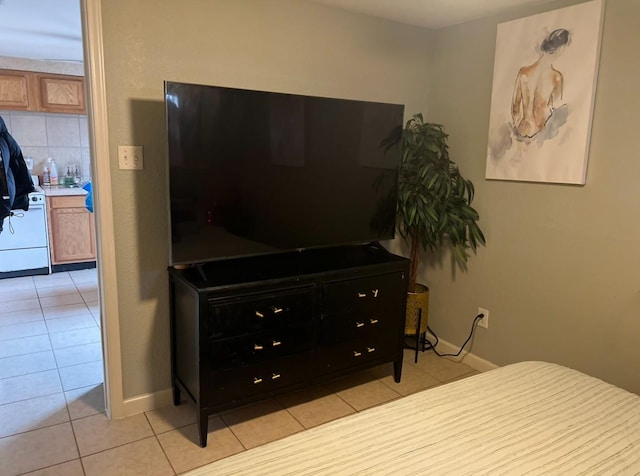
52, 418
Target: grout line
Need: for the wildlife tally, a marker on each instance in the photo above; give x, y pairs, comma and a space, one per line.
117, 446
73, 431
35, 429
53, 465
155, 435
33, 371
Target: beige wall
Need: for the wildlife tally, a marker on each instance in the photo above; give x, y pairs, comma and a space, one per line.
279, 45
560, 271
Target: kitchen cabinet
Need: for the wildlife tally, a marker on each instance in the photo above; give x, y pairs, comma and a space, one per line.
61, 93
17, 91
72, 236
44, 92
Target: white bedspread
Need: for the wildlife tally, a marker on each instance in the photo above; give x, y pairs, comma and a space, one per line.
525, 418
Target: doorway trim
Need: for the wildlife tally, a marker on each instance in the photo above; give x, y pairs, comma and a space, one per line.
92, 40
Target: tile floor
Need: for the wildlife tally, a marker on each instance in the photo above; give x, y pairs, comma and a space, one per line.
52, 418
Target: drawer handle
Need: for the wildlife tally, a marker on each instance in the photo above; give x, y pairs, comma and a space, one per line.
375, 293
373, 321
276, 343
275, 376
259, 314
362, 295
371, 349
257, 380
356, 353
257, 347
359, 324
277, 310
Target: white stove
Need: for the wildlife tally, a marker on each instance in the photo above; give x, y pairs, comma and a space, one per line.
24, 241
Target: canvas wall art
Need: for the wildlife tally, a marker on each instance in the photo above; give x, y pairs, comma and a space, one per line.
544, 83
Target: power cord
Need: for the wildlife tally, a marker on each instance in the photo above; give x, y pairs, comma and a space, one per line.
433, 345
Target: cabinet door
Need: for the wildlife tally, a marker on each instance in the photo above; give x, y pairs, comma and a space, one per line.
72, 235
16, 91
60, 93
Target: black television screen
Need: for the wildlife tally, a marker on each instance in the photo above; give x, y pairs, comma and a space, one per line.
253, 172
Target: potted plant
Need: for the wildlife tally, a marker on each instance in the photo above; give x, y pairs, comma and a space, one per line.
433, 207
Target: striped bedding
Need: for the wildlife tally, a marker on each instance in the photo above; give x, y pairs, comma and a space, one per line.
525, 418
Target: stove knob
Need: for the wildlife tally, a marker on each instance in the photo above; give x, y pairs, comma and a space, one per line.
34, 199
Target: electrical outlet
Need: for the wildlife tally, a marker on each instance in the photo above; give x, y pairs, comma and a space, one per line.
484, 322
130, 157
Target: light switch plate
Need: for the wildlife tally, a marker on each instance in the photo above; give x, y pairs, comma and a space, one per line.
130, 157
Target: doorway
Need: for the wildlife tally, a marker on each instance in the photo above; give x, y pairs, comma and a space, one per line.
51, 364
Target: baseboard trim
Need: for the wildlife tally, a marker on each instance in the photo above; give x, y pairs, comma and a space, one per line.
468, 358
147, 402
163, 398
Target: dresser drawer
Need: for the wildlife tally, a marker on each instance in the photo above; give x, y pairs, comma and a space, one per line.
369, 293
338, 328
260, 347
257, 313
362, 308
362, 351
233, 384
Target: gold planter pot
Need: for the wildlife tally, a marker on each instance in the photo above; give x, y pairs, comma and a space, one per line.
416, 301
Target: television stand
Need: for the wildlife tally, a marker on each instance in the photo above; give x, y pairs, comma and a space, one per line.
250, 328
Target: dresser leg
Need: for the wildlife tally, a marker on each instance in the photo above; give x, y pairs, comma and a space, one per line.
203, 423
176, 395
397, 370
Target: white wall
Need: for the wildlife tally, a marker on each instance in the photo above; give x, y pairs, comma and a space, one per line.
278, 45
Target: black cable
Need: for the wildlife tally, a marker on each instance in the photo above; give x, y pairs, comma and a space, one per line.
433, 346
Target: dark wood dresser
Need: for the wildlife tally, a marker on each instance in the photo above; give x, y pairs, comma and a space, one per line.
249, 328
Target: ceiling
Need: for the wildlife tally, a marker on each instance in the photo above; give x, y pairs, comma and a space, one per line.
41, 29
51, 29
429, 13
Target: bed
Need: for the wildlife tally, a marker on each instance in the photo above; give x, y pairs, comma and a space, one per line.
524, 418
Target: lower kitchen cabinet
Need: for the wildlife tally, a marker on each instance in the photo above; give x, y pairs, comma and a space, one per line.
249, 328
72, 233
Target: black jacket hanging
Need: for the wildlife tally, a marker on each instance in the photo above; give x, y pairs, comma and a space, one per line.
15, 180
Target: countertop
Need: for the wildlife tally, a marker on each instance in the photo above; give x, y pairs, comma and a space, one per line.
61, 190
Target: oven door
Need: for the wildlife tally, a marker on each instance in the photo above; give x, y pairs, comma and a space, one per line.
24, 240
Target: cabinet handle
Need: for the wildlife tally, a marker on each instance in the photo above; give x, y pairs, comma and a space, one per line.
373, 321
375, 293
257, 347
359, 324
356, 353
259, 314
277, 310
275, 376
257, 380
361, 295
276, 343
371, 349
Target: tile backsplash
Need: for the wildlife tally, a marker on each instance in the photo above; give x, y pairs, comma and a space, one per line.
63, 137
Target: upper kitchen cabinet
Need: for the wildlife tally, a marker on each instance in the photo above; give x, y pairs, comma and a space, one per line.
44, 92
61, 93
17, 90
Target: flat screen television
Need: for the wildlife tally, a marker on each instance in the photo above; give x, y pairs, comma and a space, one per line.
255, 172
